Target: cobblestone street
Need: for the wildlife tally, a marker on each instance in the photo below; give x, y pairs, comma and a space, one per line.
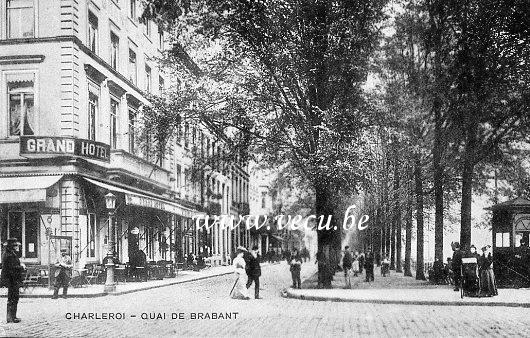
272, 316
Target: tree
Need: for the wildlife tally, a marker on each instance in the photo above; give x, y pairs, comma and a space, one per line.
301, 64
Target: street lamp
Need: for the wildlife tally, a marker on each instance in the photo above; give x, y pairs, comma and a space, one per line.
110, 202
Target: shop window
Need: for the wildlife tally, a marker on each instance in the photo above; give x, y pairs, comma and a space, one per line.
502, 239
21, 104
24, 225
114, 50
93, 32
20, 19
91, 236
114, 111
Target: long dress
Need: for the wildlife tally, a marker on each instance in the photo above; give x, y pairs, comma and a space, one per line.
240, 290
487, 277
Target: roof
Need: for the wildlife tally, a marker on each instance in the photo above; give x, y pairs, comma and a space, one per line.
515, 203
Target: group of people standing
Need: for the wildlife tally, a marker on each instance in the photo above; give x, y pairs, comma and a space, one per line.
483, 271
246, 263
354, 263
13, 272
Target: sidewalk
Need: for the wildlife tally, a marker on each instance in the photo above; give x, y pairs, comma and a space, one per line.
397, 289
124, 288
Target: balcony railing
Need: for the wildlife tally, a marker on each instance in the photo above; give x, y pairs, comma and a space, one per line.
123, 161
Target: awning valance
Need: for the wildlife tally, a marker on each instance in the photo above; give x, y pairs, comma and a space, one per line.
24, 189
142, 200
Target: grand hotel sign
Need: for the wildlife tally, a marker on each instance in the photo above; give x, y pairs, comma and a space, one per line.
42, 146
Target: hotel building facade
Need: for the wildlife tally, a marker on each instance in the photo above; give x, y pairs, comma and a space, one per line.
74, 75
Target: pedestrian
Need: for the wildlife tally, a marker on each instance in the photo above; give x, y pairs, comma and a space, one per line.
239, 290
347, 261
254, 270
361, 262
296, 266
487, 277
11, 277
355, 264
62, 274
457, 264
369, 266
385, 266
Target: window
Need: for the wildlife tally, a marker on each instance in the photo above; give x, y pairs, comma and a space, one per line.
92, 112
147, 28
114, 111
161, 84
179, 133
132, 9
20, 19
132, 118
502, 239
186, 177
186, 134
24, 225
21, 103
160, 39
92, 32
132, 67
179, 178
263, 199
91, 236
114, 50
147, 79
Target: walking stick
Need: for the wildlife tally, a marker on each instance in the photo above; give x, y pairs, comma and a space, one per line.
233, 287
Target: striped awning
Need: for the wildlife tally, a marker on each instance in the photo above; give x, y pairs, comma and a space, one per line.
24, 189
143, 200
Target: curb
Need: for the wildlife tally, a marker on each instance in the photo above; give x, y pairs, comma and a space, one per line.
289, 294
119, 293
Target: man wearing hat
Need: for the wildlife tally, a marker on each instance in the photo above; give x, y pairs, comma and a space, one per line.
456, 264
254, 270
63, 273
12, 277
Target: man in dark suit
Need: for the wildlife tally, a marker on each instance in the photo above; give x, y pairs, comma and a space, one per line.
254, 271
456, 264
369, 266
63, 273
12, 277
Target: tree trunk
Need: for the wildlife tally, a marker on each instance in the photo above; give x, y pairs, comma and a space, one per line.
438, 186
467, 188
419, 218
408, 235
438, 148
396, 238
329, 241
